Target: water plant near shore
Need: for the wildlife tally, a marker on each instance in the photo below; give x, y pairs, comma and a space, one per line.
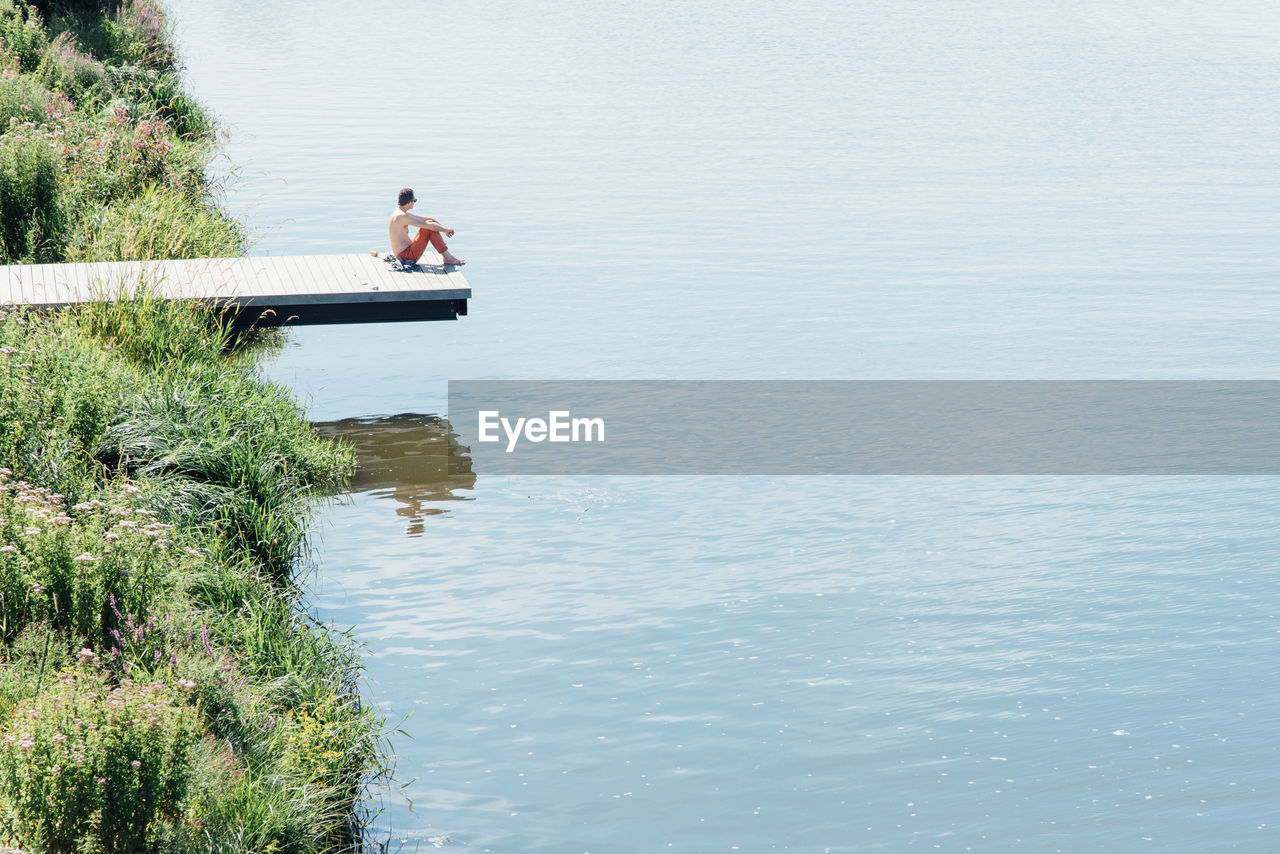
163, 686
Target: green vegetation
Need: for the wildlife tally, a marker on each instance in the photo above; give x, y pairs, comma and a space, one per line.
162, 685
102, 152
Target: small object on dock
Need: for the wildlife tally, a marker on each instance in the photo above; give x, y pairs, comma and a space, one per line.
261, 291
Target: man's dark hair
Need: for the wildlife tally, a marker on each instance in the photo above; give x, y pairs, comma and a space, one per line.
406, 196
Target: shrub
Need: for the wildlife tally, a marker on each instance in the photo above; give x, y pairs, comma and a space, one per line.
51, 7
114, 157
101, 573
88, 767
58, 393
66, 69
161, 92
137, 35
32, 216
22, 33
21, 99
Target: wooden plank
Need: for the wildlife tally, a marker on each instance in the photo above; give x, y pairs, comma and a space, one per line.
445, 278
12, 284
436, 282
163, 278
357, 282
352, 280
269, 277
280, 275
253, 279
335, 272
286, 274
92, 280
381, 279
302, 278
18, 284
176, 279
47, 284
34, 284
109, 279
456, 279
334, 284
225, 279
294, 271
317, 276
291, 286
237, 279
426, 279
84, 282
302, 274
46, 287
190, 279
374, 272
237, 283
268, 288
65, 283
45, 290
242, 281
392, 280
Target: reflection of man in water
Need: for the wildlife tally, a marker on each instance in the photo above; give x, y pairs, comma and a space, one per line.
410, 496
412, 459
429, 231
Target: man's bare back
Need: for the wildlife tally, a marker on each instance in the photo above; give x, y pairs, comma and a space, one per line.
429, 231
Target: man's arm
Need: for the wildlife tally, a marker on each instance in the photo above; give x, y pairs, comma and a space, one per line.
429, 224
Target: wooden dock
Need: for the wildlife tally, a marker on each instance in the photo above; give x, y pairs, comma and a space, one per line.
264, 291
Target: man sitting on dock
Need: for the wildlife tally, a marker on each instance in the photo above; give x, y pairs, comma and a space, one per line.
429, 231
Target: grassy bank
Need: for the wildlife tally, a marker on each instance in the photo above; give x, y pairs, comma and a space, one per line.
104, 153
162, 687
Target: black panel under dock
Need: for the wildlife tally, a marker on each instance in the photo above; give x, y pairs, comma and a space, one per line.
314, 314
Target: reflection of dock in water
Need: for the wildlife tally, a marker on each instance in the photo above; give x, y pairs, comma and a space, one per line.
414, 459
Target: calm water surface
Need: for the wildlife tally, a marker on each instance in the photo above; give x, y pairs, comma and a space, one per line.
769, 191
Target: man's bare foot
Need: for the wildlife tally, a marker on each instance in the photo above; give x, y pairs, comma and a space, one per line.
450, 260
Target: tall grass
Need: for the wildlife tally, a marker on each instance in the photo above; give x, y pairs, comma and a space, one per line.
158, 223
33, 216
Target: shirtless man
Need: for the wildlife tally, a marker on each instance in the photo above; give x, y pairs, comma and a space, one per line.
429, 231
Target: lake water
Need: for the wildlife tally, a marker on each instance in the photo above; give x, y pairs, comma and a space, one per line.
802, 190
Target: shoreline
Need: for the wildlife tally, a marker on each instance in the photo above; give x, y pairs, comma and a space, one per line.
164, 685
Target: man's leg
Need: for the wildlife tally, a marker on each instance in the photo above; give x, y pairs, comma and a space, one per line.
419, 245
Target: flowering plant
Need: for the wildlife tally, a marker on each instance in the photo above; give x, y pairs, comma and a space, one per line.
88, 766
